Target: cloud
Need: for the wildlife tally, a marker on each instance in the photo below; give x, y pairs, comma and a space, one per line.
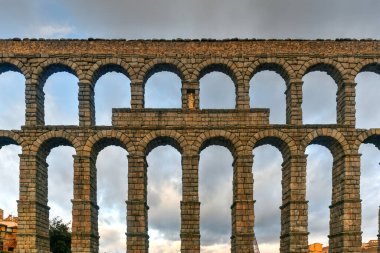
55, 31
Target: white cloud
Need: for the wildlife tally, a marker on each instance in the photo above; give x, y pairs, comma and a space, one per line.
55, 31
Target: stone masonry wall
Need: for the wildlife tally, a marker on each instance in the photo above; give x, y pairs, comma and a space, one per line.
190, 129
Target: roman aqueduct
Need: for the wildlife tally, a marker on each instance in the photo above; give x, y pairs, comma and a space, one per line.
190, 130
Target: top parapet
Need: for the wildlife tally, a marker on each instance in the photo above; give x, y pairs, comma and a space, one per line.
182, 47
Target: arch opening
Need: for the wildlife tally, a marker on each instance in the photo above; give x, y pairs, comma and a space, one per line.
319, 97
61, 96
319, 170
215, 194
163, 90
60, 170
164, 194
217, 87
267, 164
112, 90
9, 176
112, 169
12, 97
367, 102
267, 90
369, 187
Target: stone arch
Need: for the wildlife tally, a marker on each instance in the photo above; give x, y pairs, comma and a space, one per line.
14, 65
370, 65
9, 137
52, 139
280, 140
332, 139
157, 65
280, 66
218, 137
161, 137
51, 66
107, 65
370, 136
218, 64
331, 67
101, 139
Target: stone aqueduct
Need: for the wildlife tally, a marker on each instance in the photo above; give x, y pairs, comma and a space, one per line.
190, 130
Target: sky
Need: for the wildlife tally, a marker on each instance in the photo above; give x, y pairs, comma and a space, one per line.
170, 19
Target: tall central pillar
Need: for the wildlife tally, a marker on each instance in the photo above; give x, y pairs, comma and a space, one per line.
85, 237
294, 102
345, 209
190, 205
33, 212
294, 209
243, 237
137, 208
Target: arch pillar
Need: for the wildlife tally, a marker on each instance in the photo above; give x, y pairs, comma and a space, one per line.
345, 102
34, 102
190, 95
190, 205
294, 102
345, 209
137, 94
242, 239
85, 237
137, 208
242, 95
86, 104
294, 209
33, 212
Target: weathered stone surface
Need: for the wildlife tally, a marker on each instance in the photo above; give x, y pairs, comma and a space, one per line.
190, 130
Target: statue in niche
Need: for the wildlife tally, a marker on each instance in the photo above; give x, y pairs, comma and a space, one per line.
191, 100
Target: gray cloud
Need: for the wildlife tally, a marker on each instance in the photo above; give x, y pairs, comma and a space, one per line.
172, 19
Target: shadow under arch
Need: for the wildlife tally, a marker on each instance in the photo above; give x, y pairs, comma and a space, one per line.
111, 65
367, 65
332, 68
155, 67
10, 138
14, 65
280, 67
49, 68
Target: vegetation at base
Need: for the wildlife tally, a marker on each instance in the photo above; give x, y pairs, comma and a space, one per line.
60, 236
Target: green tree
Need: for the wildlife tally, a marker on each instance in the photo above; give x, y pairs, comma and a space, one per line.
60, 236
